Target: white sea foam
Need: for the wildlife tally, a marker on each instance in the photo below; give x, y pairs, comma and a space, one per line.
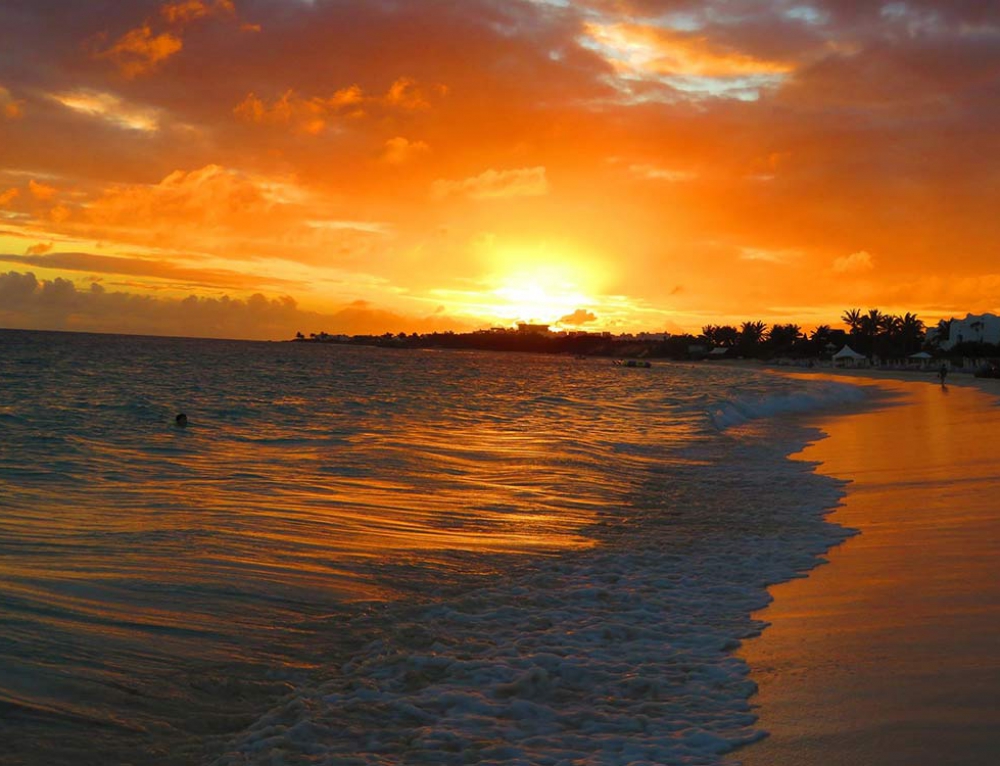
819, 395
619, 655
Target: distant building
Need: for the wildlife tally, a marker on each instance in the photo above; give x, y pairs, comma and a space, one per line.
697, 350
975, 328
527, 327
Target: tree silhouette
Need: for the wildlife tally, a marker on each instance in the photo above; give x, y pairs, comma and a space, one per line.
852, 318
911, 333
821, 335
783, 337
869, 329
753, 332
751, 335
727, 335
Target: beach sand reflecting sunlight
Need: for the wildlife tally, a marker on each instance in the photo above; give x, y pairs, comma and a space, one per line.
888, 655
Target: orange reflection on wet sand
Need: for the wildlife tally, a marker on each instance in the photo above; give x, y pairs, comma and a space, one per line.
889, 654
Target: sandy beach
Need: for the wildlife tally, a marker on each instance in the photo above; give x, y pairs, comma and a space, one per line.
889, 654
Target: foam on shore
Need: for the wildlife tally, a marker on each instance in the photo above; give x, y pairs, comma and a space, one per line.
617, 655
821, 395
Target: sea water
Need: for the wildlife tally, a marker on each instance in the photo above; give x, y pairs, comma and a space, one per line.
354, 555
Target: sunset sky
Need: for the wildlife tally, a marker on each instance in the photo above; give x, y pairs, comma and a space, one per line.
250, 168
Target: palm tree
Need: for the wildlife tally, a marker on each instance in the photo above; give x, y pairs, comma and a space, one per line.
852, 318
783, 336
751, 334
911, 332
871, 322
819, 338
869, 327
726, 335
821, 334
891, 325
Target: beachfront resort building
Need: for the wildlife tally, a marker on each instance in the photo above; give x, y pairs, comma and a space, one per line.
975, 328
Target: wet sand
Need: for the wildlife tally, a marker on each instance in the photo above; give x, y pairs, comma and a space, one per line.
890, 654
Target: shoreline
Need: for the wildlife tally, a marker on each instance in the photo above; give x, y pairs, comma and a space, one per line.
887, 656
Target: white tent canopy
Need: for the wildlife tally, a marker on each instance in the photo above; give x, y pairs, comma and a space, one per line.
920, 355
848, 353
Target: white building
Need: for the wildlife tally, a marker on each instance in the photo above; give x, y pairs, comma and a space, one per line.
975, 328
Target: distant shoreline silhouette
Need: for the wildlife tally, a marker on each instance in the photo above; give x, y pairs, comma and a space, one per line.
879, 338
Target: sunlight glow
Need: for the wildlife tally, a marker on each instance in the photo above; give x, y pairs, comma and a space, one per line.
541, 283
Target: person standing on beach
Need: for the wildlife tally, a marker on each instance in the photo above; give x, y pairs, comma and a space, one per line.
943, 373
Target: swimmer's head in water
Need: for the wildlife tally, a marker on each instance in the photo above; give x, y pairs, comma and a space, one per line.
181, 419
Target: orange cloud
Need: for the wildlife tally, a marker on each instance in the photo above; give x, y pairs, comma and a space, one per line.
40, 248
690, 62
186, 11
8, 196
59, 214
399, 150
59, 305
210, 196
312, 114
577, 318
494, 184
10, 108
150, 268
42, 191
840, 153
111, 108
854, 263
406, 94
650, 172
139, 51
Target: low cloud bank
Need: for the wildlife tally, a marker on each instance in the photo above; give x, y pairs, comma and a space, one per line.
30, 303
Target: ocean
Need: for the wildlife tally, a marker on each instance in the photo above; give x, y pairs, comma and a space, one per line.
354, 555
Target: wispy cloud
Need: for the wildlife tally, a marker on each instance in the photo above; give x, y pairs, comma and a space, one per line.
42, 191
111, 108
855, 263
655, 173
495, 184
690, 61
10, 108
769, 256
313, 114
40, 255
400, 150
